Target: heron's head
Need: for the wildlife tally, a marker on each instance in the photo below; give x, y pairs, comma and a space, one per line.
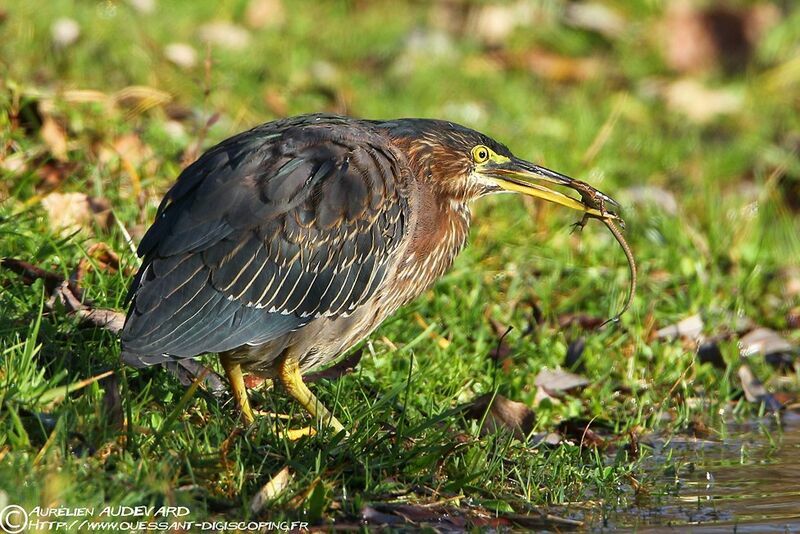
462, 164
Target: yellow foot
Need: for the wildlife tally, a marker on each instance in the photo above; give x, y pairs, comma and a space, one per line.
294, 434
292, 380
234, 373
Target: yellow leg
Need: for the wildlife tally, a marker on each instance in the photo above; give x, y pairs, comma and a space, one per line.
292, 380
234, 373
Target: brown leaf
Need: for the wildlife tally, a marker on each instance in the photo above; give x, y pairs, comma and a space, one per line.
688, 328
543, 395
182, 55
144, 7
594, 16
582, 432
65, 32
275, 102
225, 35
793, 318
188, 370
54, 136
790, 277
442, 517
503, 413
272, 489
754, 390
699, 102
586, 322
69, 212
776, 350
698, 39
130, 147
99, 255
340, 368
559, 381
652, 195
374, 517
53, 173
552, 66
264, 14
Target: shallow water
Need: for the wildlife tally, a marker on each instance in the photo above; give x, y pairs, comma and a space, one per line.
746, 481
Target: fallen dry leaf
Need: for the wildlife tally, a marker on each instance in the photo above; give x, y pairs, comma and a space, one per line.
594, 16
776, 350
69, 212
754, 390
372, 516
690, 328
583, 432
552, 66
15, 163
340, 368
271, 490
393, 514
225, 35
790, 276
188, 370
182, 55
559, 381
700, 103
53, 173
65, 32
793, 318
502, 413
143, 6
54, 136
492, 23
276, 102
652, 195
763, 341
543, 395
132, 148
99, 256
701, 37
586, 322
264, 14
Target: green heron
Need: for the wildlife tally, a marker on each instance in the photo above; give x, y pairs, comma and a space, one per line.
284, 246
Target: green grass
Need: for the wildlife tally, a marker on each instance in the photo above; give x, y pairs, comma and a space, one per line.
725, 253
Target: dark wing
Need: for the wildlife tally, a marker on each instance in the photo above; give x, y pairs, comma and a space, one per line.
267, 231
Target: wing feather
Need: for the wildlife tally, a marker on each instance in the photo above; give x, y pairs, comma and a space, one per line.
267, 231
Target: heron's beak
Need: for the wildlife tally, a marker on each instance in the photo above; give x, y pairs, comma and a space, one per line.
523, 177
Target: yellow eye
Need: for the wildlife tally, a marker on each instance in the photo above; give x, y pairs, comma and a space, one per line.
480, 154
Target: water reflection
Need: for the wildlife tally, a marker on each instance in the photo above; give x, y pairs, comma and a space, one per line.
749, 481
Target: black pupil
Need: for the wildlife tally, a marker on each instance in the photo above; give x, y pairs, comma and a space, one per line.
482, 154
